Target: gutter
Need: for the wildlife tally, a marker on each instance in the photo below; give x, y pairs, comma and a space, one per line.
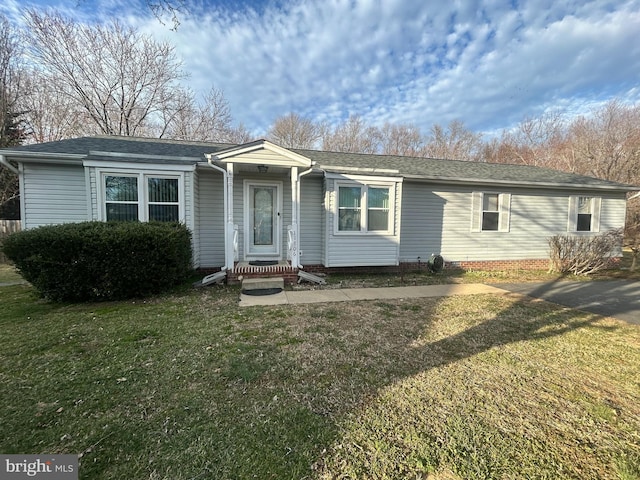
28, 156
225, 175
4, 162
516, 183
298, 195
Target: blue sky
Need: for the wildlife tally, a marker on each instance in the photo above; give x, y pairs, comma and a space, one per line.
487, 63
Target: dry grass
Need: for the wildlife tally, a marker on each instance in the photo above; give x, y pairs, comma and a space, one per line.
190, 386
8, 274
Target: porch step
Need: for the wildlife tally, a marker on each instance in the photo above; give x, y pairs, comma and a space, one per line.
262, 283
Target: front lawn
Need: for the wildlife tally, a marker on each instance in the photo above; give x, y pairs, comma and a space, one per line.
189, 386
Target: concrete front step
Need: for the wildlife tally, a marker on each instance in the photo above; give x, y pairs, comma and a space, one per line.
262, 283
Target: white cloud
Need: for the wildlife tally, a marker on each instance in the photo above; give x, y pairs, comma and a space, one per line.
482, 62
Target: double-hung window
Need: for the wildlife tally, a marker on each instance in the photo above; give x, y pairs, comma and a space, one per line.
349, 209
584, 214
364, 208
121, 197
490, 212
141, 197
163, 201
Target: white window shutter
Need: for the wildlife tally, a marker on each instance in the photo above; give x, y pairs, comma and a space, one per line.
572, 223
596, 205
476, 212
504, 207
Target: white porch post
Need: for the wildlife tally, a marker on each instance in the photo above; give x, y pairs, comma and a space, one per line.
294, 234
229, 253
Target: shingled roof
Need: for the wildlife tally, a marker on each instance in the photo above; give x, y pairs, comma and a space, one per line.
426, 169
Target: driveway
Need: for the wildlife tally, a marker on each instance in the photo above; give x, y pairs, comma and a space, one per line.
612, 298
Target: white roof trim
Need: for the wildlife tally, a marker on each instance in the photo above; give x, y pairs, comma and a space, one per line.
28, 156
359, 169
142, 156
517, 183
290, 159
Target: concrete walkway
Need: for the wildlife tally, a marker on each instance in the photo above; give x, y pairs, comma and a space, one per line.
353, 294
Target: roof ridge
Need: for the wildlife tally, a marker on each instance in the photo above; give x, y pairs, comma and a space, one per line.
159, 140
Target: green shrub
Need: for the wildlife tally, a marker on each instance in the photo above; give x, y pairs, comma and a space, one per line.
102, 261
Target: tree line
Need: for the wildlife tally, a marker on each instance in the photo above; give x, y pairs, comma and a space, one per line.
61, 79
604, 143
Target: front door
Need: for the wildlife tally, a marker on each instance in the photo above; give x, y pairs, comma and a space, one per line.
262, 207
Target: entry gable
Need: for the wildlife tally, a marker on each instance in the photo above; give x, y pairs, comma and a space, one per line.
262, 152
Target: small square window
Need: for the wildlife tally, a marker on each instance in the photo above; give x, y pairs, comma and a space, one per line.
364, 208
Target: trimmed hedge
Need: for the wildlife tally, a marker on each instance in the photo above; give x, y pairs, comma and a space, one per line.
102, 261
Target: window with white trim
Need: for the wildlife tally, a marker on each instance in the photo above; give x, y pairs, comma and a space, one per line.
121, 197
490, 212
163, 200
364, 208
584, 213
141, 197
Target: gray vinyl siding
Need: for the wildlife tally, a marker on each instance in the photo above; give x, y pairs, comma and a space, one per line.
311, 213
53, 194
437, 219
364, 249
210, 223
238, 208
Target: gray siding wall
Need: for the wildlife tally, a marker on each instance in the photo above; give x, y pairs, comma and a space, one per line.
53, 194
437, 219
210, 218
344, 250
311, 214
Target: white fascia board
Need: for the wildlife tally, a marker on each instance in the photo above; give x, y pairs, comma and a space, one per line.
144, 156
169, 167
362, 178
35, 157
519, 184
336, 169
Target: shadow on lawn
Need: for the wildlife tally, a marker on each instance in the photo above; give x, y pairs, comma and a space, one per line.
506, 327
511, 325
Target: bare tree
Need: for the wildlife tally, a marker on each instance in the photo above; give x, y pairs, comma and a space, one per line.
352, 136
606, 144
11, 124
207, 120
632, 231
11, 132
167, 8
50, 112
238, 135
535, 141
401, 140
454, 142
294, 131
122, 79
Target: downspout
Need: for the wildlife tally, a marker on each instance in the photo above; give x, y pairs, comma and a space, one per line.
5, 162
226, 227
300, 175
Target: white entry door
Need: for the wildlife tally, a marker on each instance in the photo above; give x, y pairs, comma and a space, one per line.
262, 215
